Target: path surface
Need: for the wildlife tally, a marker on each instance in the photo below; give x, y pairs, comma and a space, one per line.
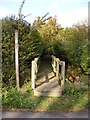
0, 114
79, 114
47, 85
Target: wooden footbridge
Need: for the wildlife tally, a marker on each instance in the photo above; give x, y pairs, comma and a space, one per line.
51, 83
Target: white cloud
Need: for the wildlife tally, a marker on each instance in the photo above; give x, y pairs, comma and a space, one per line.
67, 19
5, 12
11, 1
75, 1
30, 19
53, 5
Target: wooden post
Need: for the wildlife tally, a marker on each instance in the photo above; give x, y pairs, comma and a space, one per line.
62, 75
33, 74
57, 71
16, 59
36, 68
54, 66
52, 62
61, 70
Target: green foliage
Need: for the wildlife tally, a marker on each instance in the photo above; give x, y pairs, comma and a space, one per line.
76, 46
30, 46
82, 55
72, 38
85, 59
8, 65
57, 50
69, 44
13, 98
49, 33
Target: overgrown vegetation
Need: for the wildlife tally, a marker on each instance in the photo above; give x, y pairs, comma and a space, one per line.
44, 38
30, 46
70, 45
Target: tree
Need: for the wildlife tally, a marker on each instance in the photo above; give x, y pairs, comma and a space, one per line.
49, 33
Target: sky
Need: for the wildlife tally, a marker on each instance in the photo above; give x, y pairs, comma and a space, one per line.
67, 12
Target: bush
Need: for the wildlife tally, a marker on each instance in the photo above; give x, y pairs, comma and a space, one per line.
57, 49
82, 56
30, 46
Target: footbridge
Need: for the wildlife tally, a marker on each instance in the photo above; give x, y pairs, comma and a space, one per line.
50, 83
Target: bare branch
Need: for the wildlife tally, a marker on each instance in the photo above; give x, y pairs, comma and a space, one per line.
45, 16
20, 9
26, 16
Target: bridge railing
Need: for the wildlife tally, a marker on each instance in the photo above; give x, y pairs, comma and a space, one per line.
59, 70
34, 71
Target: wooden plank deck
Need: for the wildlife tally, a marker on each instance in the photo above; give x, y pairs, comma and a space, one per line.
47, 85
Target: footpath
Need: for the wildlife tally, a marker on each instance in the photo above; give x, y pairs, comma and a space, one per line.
28, 114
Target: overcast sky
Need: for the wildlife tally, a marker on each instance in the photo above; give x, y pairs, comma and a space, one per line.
68, 12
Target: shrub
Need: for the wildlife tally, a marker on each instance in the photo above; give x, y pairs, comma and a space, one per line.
82, 56
30, 46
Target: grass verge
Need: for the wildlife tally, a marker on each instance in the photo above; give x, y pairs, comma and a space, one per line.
73, 99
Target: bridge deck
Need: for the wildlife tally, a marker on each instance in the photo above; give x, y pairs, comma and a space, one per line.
47, 85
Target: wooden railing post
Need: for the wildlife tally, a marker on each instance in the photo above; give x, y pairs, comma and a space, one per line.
34, 71
54, 69
57, 70
62, 75
36, 67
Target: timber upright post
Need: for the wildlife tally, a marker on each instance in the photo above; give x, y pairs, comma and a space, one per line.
33, 74
62, 75
57, 73
36, 67
16, 58
54, 66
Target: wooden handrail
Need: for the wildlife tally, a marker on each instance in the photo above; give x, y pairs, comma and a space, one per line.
55, 64
59, 74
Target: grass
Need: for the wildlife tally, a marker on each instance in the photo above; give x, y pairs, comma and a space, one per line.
74, 99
